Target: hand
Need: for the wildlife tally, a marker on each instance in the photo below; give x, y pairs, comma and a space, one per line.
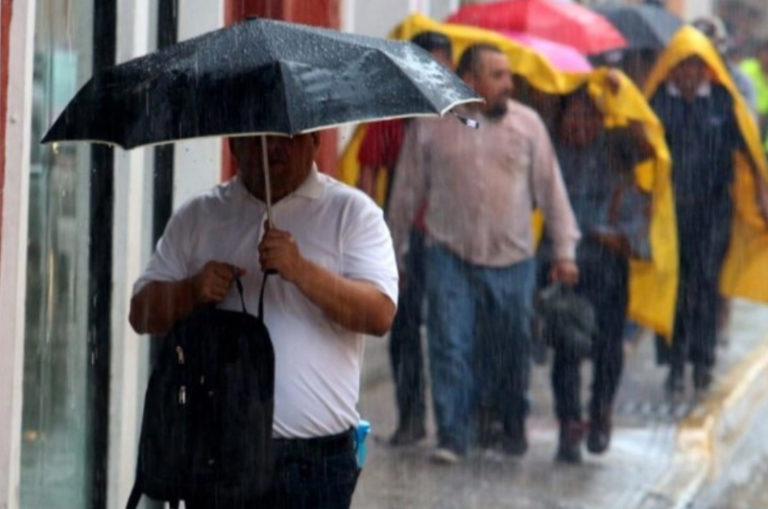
279, 252
213, 282
564, 271
613, 241
613, 80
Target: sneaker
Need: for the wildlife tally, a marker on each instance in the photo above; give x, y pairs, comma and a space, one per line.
514, 441
407, 435
569, 445
445, 456
599, 436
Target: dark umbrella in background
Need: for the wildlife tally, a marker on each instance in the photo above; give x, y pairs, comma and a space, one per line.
259, 77
644, 26
647, 27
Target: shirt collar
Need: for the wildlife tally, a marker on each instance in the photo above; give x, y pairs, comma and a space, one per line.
311, 188
704, 90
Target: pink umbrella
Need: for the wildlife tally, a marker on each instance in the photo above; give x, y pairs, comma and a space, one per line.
561, 56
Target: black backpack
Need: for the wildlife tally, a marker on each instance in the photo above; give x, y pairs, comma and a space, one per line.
207, 425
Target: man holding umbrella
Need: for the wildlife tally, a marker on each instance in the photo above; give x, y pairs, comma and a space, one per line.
337, 279
481, 188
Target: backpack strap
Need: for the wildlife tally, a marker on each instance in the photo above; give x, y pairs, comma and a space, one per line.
239, 285
240, 290
135, 496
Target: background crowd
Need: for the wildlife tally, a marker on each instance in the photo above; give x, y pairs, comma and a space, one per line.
465, 211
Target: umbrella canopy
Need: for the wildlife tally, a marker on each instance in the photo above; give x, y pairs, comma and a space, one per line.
562, 57
258, 77
561, 22
644, 26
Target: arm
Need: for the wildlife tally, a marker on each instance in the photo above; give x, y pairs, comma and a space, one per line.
366, 182
356, 305
408, 192
160, 304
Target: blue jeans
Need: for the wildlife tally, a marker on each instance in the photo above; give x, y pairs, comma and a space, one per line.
405, 339
493, 305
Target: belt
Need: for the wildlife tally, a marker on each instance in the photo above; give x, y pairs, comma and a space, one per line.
327, 445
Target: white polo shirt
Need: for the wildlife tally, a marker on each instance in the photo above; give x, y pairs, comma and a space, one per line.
318, 362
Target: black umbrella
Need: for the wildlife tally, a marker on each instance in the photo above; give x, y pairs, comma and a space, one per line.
644, 26
258, 77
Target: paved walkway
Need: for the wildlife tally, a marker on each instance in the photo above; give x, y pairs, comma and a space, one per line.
644, 452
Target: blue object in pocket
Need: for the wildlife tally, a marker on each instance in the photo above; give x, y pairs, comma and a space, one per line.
361, 433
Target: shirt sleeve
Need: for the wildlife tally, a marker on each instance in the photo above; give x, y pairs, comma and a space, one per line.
381, 144
550, 195
367, 253
170, 261
408, 191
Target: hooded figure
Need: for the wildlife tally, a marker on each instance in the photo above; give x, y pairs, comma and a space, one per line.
719, 174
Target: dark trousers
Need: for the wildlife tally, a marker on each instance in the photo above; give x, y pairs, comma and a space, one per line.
703, 245
308, 474
405, 339
603, 280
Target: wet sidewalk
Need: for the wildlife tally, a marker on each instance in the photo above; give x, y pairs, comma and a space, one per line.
647, 466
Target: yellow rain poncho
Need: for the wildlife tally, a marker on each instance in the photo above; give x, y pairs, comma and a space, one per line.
653, 283
745, 269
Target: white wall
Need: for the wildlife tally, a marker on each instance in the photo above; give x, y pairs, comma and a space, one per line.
129, 352
13, 246
696, 8
197, 162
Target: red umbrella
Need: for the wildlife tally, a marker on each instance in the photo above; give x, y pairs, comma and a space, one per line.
561, 22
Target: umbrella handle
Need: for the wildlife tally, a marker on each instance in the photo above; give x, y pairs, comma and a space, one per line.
267, 189
267, 183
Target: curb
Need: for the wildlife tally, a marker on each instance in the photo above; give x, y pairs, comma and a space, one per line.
708, 436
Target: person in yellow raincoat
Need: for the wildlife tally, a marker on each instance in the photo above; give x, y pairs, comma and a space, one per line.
716, 155
613, 216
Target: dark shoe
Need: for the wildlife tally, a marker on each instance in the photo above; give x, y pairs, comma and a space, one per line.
702, 377
407, 435
675, 383
514, 441
599, 436
487, 435
569, 446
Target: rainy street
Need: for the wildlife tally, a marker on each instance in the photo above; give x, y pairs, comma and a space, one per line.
635, 472
384, 254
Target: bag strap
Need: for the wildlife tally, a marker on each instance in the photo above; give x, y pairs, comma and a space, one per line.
240, 290
135, 496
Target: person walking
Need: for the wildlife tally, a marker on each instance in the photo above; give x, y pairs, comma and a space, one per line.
335, 280
481, 188
702, 134
613, 214
380, 148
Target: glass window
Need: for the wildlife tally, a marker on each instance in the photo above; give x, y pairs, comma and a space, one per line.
55, 424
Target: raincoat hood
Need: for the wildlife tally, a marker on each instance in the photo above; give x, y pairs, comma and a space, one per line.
745, 269
653, 283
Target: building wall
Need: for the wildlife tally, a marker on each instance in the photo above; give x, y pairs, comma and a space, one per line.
19, 14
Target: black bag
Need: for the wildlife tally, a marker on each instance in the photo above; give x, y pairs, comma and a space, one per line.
567, 321
207, 425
